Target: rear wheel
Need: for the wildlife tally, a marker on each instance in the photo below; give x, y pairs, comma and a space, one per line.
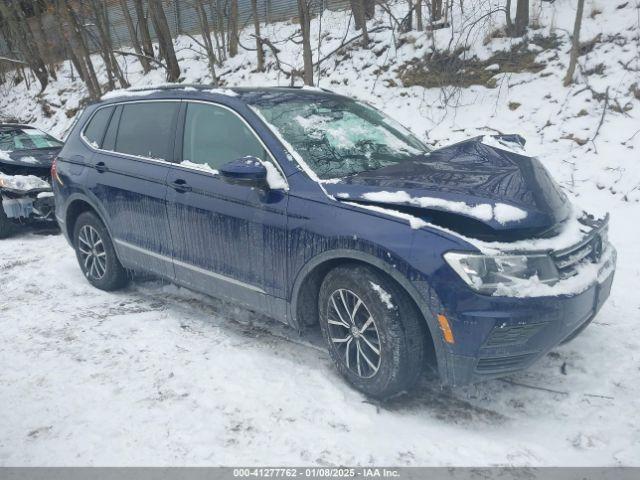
96, 255
373, 331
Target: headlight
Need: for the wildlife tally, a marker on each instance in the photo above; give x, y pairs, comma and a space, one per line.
22, 182
484, 273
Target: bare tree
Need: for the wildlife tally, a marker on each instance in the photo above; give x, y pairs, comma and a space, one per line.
101, 21
205, 32
22, 37
232, 28
522, 18
418, 9
305, 27
143, 28
507, 12
256, 26
144, 61
165, 42
45, 43
78, 44
436, 10
575, 45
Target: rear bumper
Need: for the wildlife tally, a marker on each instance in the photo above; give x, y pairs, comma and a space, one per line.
496, 336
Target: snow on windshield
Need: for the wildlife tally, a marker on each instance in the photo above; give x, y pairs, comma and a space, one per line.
338, 137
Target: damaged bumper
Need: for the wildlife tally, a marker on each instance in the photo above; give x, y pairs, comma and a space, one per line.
23, 206
496, 335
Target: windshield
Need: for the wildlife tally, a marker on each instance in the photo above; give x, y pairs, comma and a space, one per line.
338, 137
25, 138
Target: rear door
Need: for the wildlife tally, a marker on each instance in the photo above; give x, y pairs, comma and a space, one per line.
129, 175
229, 240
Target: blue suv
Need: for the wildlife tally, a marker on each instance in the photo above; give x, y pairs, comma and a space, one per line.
311, 207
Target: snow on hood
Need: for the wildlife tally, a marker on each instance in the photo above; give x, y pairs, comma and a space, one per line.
492, 184
500, 212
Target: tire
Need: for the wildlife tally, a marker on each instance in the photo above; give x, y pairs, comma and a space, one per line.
395, 323
7, 227
96, 255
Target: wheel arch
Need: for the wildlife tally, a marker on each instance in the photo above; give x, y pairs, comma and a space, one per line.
75, 207
304, 296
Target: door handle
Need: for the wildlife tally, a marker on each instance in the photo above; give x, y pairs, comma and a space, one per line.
101, 167
180, 186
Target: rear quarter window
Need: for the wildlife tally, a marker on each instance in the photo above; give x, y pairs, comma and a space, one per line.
94, 131
147, 129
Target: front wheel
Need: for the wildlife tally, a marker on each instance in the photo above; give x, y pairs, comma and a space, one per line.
96, 255
373, 331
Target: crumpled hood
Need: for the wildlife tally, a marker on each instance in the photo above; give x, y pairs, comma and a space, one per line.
40, 158
482, 179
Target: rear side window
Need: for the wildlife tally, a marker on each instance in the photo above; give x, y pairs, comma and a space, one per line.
94, 132
147, 129
214, 136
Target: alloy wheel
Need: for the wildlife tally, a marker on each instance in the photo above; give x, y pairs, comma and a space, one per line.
92, 253
352, 329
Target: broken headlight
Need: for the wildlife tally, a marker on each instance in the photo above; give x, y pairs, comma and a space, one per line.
484, 273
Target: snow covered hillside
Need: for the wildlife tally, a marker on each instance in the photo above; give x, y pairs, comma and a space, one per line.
156, 375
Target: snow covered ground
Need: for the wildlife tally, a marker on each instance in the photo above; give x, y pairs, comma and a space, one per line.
156, 375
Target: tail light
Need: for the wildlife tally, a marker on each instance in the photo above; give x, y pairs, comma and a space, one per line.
54, 171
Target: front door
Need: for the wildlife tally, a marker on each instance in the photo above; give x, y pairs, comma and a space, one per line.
228, 240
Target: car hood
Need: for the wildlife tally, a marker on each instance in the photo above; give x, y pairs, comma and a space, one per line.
39, 158
481, 187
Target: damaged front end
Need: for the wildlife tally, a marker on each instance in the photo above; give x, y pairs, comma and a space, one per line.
25, 199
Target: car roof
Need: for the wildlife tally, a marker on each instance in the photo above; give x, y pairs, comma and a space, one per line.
200, 91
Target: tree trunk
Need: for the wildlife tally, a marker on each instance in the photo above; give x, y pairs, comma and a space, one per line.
575, 45
232, 28
143, 28
522, 17
507, 12
419, 25
77, 43
161, 26
369, 8
358, 13
256, 27
305, 27
21, 35
220, 16
436, 10
206, 38
101, 18
47, 56
146, 65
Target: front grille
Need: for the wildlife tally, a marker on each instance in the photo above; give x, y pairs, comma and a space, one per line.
512, 335
503, 364
590, 249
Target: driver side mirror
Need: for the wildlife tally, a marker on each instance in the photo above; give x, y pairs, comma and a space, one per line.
248, 171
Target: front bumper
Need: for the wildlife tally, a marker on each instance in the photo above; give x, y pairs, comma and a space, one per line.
27, 206
495, 336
